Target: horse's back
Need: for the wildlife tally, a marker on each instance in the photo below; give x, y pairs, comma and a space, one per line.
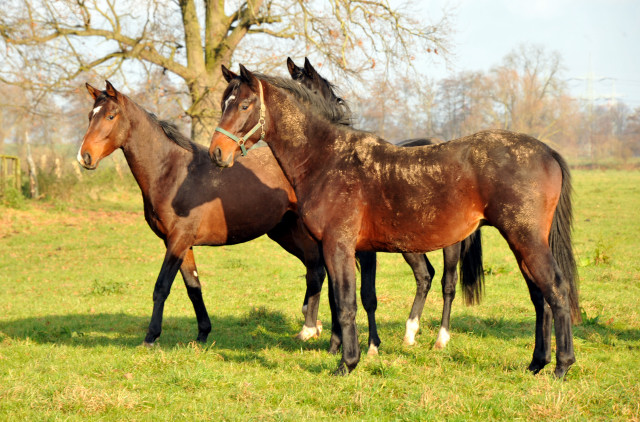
447, 190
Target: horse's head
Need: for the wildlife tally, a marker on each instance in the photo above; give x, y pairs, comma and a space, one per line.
243, 117
108, 126
312, 80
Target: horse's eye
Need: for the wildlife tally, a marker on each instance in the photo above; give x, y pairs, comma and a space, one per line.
110, 117
244, 106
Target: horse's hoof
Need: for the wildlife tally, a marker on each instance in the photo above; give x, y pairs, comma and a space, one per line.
407, 341
148, 345
341, 370
308, 333
373, 350
439, 345
536, 366
560, 372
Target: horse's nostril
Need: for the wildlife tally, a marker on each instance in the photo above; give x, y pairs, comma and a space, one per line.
217, 154
87, 158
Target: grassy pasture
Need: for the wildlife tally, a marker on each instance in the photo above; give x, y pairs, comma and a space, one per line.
76, 282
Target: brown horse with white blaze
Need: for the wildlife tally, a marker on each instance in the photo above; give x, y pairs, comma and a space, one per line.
188, 201
358, 192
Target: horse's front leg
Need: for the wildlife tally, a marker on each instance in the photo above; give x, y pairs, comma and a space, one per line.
194, 290
172, 261
340, 261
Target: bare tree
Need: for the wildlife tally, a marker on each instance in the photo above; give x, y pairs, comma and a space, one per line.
48, 44
463, 103
527, 86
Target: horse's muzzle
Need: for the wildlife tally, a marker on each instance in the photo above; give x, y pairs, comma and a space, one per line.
216, 157
85, 161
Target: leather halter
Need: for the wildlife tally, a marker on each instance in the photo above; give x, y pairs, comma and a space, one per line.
260, 125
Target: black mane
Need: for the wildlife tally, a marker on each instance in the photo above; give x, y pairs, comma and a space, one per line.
171, 130
337, 113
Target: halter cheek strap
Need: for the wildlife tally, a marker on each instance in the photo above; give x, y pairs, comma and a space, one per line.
260, 125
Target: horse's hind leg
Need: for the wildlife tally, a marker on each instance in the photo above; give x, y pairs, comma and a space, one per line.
451, 256
542, 349
537, 261
194, 290
423, 273
368, 296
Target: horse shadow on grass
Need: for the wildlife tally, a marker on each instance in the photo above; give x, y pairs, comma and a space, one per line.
504, 328
244, 337
236, 338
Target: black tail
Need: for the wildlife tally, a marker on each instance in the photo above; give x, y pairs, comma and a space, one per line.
471, 270
560, 239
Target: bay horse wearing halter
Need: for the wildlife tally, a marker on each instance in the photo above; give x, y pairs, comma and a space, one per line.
472, 272
358, 192
188, 201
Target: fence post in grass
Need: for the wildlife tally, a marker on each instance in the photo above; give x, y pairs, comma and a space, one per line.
10, 177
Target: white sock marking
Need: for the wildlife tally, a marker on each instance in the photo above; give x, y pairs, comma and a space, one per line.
443, 338
308, 332
411, 329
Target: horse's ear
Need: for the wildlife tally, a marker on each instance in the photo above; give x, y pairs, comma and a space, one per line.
311, 72
95, 92
293, 69
227, 74
249, 77
111, 91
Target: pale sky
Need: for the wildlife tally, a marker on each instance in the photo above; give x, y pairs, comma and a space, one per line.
597, 36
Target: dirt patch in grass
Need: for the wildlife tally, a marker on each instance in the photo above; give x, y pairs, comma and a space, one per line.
40, 216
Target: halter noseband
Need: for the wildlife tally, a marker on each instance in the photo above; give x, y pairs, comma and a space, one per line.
260, 125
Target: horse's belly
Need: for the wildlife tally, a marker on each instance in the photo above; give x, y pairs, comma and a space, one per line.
419, 234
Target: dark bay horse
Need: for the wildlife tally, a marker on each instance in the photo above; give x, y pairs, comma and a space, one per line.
471, 265
472, 272
188, 201
358, 192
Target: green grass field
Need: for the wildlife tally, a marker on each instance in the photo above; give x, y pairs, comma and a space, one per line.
76, 282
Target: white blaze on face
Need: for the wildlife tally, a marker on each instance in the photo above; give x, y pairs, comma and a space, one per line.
95, 111
228, 100
79, 156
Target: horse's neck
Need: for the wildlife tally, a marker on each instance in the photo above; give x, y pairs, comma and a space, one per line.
295, 154
146, 150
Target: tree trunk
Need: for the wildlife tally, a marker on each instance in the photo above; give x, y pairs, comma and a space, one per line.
205, 107
33, 178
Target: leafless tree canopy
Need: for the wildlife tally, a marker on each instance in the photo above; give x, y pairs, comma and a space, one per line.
49, 44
